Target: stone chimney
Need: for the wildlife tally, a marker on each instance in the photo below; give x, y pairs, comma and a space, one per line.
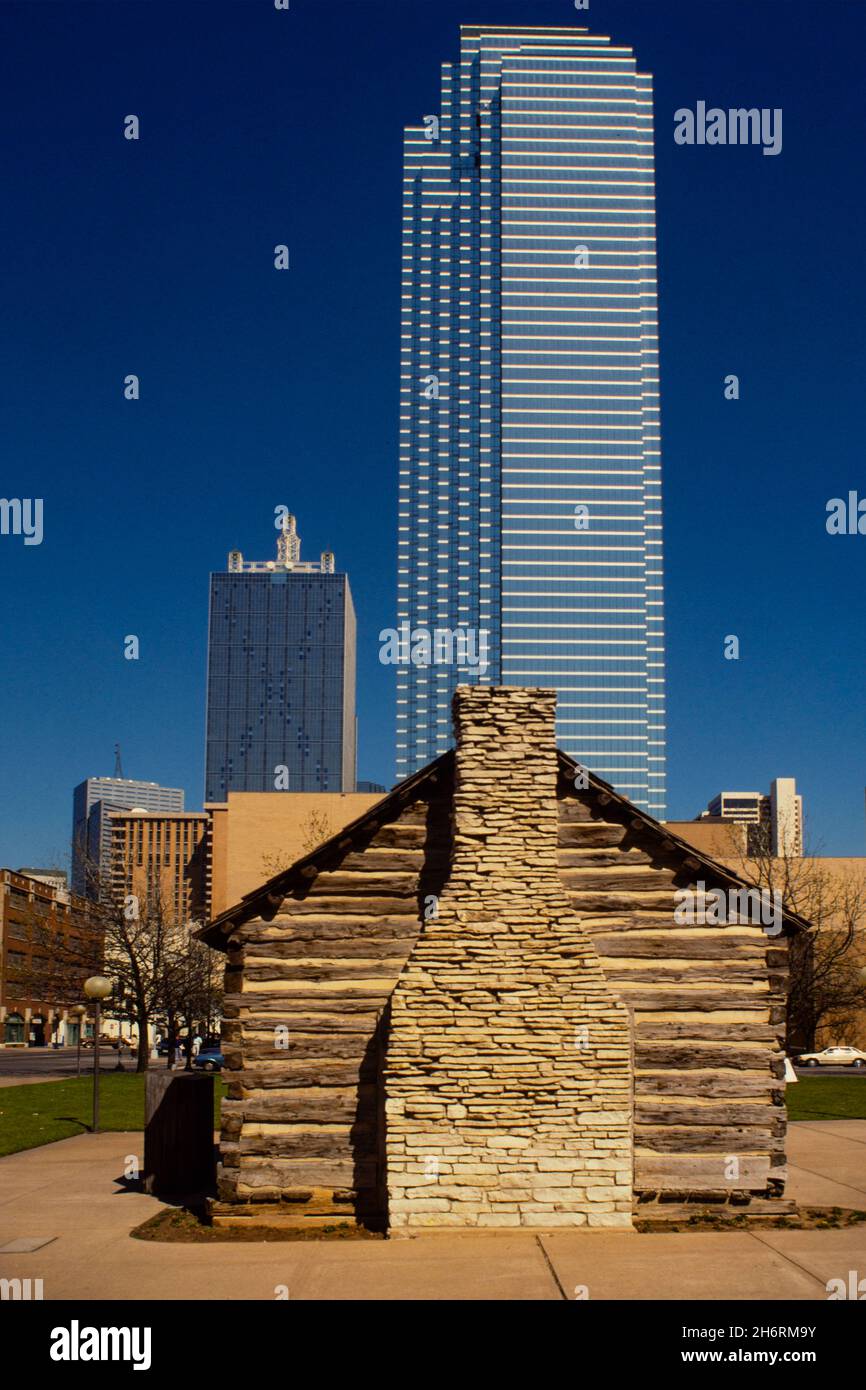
508, 1071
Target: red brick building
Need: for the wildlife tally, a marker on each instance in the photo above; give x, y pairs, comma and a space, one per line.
48, 947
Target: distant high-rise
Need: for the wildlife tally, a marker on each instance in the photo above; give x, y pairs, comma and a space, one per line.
281, 675
774, 822
162, 859
92, 801
530, 474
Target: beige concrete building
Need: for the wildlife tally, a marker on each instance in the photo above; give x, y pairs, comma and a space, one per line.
773, 821
255, 835
723, 839
830, 889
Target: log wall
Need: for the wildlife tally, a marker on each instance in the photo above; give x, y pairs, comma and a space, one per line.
304, 1029
708, 1010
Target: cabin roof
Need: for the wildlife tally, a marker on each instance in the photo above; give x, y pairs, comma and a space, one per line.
265, 900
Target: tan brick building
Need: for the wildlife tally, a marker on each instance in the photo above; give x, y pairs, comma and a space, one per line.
162, 858
254, 834
837, 884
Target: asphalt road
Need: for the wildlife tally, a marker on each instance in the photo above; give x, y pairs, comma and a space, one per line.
49, 1061
831, 1071
39, 1062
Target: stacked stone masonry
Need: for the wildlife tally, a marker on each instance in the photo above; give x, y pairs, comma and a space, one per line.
508, 1072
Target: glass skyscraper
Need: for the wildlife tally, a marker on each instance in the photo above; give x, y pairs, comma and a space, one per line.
530, 482
281, 675
93, 800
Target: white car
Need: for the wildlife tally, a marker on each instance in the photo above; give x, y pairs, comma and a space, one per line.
833, 1057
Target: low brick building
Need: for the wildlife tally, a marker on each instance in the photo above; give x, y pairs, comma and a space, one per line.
49, 944
475, 1006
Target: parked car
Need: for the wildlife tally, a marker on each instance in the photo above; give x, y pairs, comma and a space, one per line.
209, 1059
833, 1057
104, 1041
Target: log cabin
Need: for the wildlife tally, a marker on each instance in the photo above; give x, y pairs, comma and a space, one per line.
474, 1007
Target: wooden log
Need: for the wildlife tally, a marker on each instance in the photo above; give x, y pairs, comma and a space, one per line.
571, 810
736, 1055
614, 856
375, 902
651, 999
756, 1209
729, 1139
258, 1046
596, 924
587, 834
589, 904
311, 1072
729, 944
657, 1112
373, 992
375, 861
722, 1083
331, 1106
321, 1022
687, 972
340, 1005
320, 927
282, 1173
618, 879
364, 885
333, 948
322, 1143
399, 835
647, 1027
346, 970
690, 1172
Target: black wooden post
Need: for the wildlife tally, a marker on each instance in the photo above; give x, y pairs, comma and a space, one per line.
179, 1133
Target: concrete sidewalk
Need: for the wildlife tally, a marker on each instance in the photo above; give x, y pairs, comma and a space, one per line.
73, 1193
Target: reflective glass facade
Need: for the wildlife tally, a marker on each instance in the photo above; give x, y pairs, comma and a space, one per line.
530, 482
92, 802
281, 681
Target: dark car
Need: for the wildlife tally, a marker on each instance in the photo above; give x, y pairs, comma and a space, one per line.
209, 1059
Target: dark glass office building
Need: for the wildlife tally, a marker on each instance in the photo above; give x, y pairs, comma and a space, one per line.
281, 675
530, 466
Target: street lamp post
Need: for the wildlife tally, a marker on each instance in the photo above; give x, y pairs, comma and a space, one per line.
96, 988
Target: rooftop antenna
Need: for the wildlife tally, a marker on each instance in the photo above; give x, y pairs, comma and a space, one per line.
118, 765
288, 542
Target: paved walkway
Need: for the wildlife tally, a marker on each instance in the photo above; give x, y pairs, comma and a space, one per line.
73, 1192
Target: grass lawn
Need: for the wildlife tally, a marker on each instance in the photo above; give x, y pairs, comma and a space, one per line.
50, 1110
39, 1114
826, 1098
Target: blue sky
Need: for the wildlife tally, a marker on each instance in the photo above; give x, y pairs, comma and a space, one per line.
260, 388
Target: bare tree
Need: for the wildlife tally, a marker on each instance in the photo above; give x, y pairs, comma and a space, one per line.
58, 957
315, 829
190, 989
137, 931
827, 987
